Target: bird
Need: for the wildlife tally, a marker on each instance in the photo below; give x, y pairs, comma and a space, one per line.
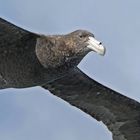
29, 59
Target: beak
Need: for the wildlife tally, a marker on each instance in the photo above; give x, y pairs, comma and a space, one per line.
96, 46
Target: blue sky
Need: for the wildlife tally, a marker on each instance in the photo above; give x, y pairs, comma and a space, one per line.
115, 23
34, 114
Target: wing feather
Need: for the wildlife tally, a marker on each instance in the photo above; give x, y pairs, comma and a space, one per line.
17, 56
120, 114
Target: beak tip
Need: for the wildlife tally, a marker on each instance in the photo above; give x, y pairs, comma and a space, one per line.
104, 51
96, 46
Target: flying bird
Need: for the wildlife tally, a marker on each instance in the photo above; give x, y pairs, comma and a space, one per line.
28, 59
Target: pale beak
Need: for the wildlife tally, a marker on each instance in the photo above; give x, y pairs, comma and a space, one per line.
96, 46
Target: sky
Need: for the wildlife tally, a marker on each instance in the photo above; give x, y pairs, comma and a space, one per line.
115, 23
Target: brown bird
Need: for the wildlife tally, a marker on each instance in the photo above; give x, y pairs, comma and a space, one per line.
28, 59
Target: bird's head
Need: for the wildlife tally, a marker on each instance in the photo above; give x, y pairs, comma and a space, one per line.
66, 50
82, 41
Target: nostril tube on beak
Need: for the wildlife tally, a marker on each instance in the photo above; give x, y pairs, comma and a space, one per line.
96, 46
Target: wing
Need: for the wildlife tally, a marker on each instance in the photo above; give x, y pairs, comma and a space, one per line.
17, 54
120, 114
9, 33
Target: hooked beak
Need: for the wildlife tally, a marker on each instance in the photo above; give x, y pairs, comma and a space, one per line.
96, 46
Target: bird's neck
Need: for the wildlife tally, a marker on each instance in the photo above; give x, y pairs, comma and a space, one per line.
55, 54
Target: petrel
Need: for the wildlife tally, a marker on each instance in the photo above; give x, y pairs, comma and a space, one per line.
28, 59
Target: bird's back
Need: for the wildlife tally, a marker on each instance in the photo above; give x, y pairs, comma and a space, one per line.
18, 61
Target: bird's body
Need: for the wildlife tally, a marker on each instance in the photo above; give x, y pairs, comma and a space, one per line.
28, 59
19, 66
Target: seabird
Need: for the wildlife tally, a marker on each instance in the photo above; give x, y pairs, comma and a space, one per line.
28, 59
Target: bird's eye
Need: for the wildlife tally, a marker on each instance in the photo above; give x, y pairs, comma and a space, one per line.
81, 36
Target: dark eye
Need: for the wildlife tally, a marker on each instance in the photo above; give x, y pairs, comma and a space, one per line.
82, 36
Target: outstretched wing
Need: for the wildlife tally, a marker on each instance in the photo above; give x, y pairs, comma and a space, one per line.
10, 34
16, 52
119, 113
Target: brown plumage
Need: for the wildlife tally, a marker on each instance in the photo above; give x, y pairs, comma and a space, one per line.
28, 59
62, 50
